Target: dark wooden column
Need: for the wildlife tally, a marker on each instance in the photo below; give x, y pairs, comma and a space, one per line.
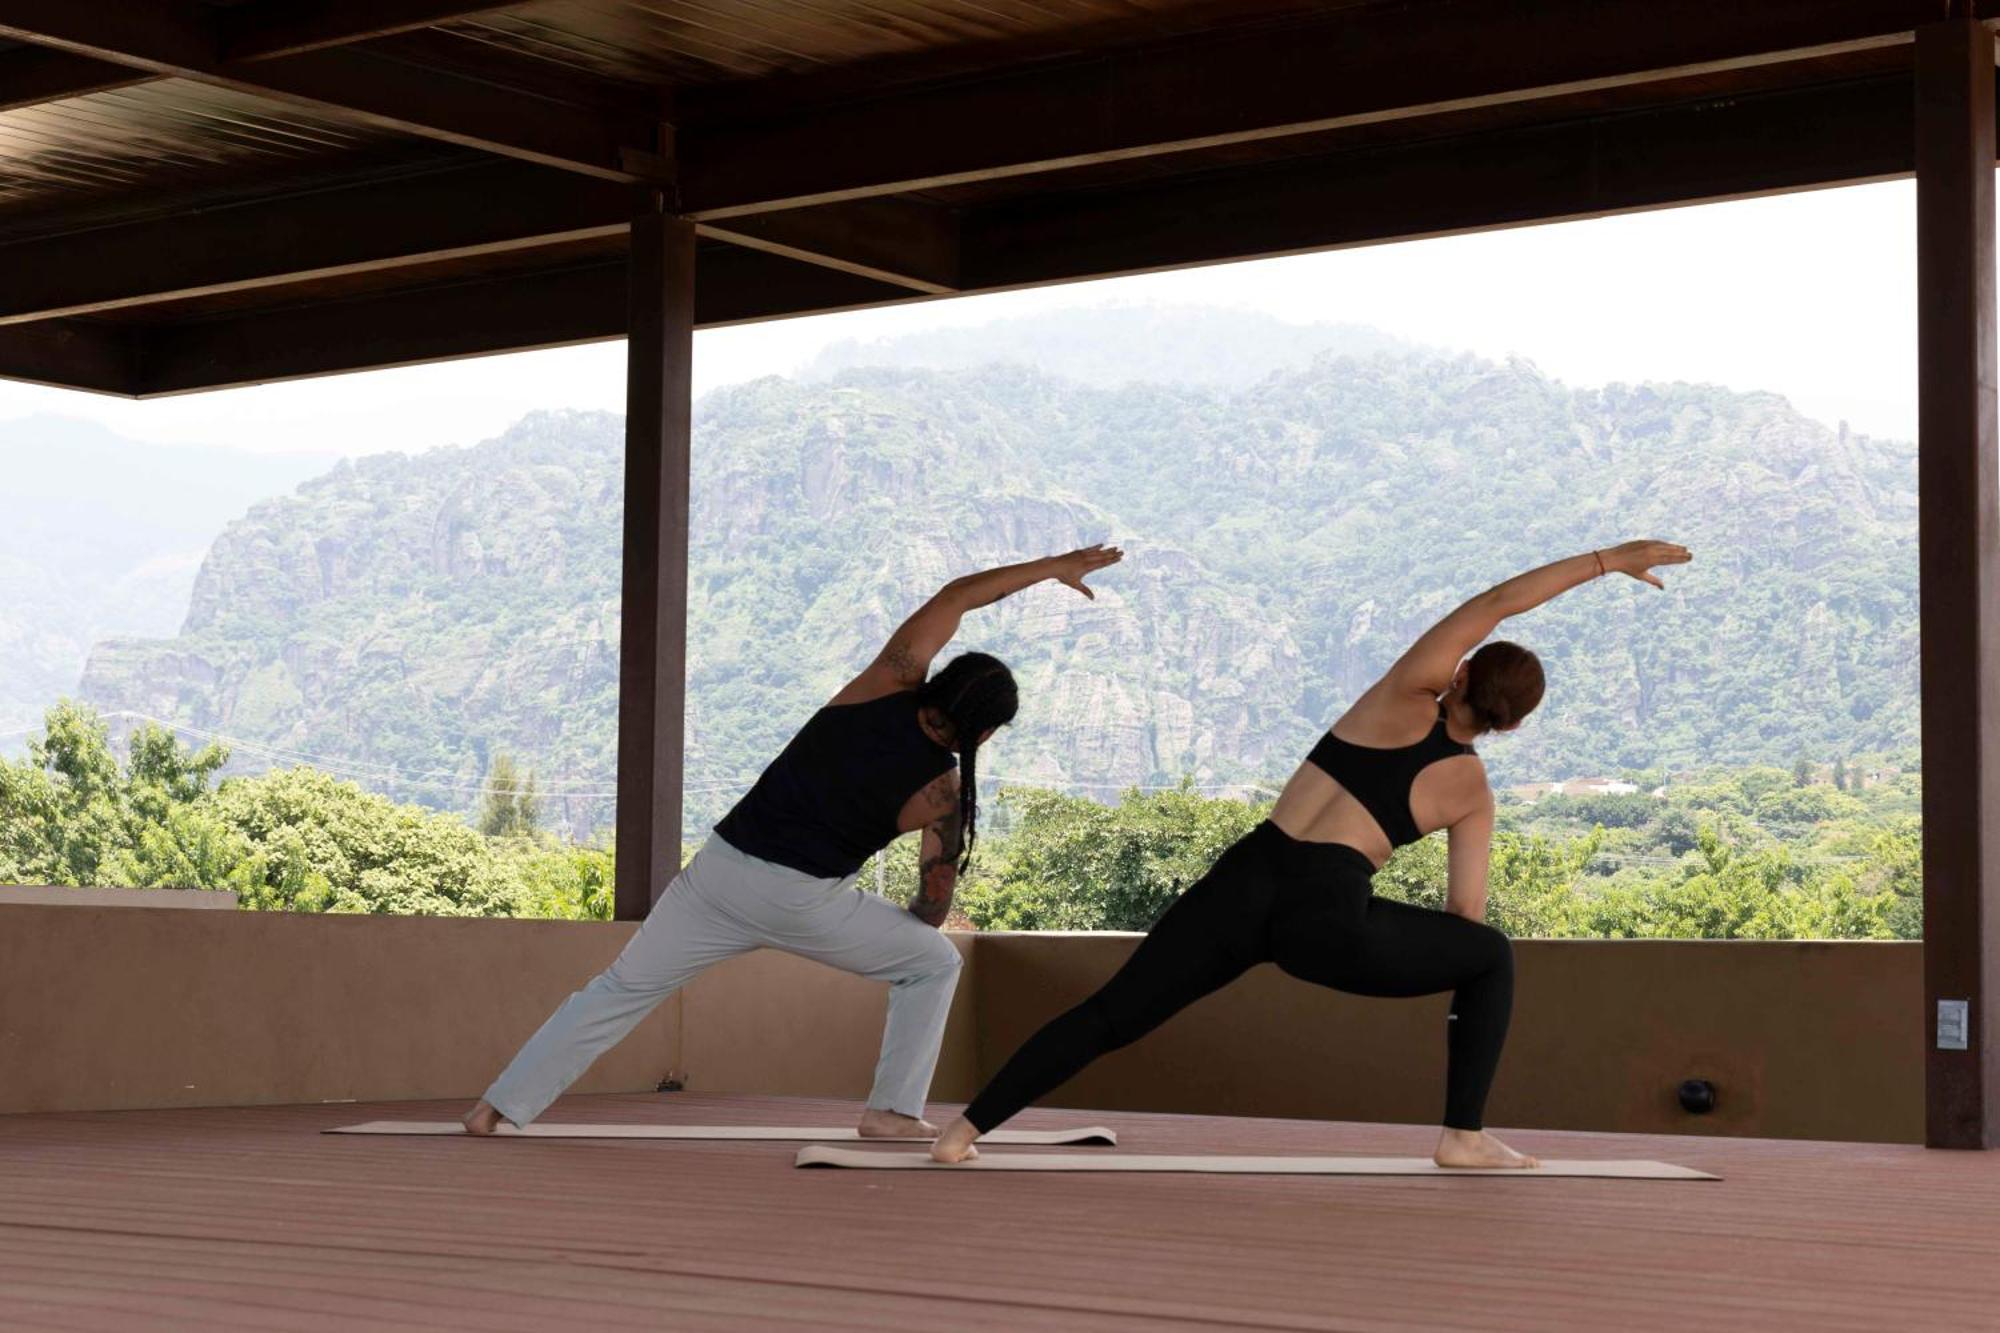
652, 665
1959, 559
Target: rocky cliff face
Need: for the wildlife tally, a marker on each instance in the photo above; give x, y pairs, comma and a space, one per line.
401, 619
103, 536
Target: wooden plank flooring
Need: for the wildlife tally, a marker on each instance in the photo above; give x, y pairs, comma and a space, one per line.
250, 1219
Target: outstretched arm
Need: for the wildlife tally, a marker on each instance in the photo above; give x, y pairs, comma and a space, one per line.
1430, 662
905, 660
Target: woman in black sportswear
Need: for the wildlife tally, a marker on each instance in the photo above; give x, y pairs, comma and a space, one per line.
1296, 890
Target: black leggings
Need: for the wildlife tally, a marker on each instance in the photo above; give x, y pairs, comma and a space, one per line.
1307, 907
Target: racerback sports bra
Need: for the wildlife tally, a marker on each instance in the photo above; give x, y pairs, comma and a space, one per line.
1381, 778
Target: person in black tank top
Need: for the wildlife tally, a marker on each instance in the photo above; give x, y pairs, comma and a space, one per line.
831, 799
894, 752
1296, 890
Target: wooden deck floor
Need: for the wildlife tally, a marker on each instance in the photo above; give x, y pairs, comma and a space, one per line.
250, 1219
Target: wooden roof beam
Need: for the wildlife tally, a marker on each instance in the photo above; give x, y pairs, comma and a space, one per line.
902, 241
32, 75
460, 213
177, 39
487, 209
1346, 69
288, 27
1696, 153
520, 312
1687, 154
69, 355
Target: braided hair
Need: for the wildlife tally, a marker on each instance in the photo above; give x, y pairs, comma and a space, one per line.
976, 693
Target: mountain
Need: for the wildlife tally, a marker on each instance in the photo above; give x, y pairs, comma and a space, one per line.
404, 618
1110, 346
104, 536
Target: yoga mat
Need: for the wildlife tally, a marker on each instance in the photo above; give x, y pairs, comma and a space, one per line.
1249, 1166
1043, 1138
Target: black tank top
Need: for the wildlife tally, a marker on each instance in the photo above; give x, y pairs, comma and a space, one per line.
1381, 779
829, 801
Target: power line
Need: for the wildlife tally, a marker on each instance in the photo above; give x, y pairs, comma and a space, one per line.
359, 771
556, 788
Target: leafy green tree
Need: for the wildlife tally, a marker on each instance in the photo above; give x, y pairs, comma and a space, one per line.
565, 882
71, 815
1730, 854
1073, 864
79, 792
1530, 885
1415, 874
892, 872
1673, 831
508, 807
1533, 882
330, 846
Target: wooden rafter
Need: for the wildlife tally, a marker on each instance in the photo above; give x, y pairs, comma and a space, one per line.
181, 40
1344, 70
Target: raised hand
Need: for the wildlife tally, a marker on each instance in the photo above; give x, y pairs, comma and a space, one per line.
1639, 559
1071, 569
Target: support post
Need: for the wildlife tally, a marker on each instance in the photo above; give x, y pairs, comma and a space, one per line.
652, 655
1958, 484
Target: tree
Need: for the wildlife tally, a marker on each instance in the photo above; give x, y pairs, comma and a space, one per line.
1738, 854
71, 815
294, 840
330, 846
1674, 832
79, 793
564, 882
1073, 864
509, 807
528, 807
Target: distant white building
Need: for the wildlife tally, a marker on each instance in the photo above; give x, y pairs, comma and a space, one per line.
1531, 792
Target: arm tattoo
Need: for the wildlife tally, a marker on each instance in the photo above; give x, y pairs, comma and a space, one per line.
937, 872
940, 797
903, 663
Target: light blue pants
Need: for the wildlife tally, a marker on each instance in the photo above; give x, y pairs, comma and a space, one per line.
725, 903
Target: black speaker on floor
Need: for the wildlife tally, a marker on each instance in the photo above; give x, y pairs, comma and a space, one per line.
1697, 1096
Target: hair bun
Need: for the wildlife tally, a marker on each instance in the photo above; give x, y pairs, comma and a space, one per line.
1503, 684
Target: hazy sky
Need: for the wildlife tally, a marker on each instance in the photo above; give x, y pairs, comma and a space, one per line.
1811, 295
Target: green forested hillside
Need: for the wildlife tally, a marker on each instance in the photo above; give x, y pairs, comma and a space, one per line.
411, 617
1114, 345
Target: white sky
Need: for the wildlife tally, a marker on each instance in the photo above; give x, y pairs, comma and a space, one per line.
1811, 295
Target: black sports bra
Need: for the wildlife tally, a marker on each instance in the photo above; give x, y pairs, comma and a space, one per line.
1381, 778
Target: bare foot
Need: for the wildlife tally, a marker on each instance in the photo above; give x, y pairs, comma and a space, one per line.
481, 1119
877, 1124
1477, 1148
955, 1144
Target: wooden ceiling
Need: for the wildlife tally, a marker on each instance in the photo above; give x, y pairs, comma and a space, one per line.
203, 194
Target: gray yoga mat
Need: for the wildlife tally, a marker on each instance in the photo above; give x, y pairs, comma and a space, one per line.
1041, 1138
863, 1159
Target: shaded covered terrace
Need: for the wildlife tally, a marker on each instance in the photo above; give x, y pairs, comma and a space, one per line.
196, 195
